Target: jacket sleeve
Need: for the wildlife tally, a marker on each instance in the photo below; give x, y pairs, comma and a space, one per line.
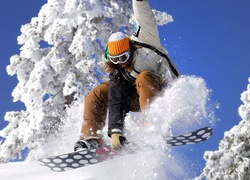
119, 93
146, 29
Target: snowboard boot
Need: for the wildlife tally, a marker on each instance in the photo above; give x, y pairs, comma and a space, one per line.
86, 144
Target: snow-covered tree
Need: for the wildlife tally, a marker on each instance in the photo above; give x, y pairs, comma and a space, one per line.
60, 60
232, 160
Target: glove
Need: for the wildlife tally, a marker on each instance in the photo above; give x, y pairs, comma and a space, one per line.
117, 141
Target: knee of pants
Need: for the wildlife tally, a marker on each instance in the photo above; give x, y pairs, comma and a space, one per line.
148, 85
149, 79
99, 92
96, 102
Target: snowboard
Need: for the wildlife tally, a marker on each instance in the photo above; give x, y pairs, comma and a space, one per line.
82, 158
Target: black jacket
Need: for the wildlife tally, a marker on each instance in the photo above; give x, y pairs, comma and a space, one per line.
119, 96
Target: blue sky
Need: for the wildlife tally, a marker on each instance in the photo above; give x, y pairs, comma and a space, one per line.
208, 38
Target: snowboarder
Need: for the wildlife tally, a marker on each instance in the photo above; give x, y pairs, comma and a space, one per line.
138, 69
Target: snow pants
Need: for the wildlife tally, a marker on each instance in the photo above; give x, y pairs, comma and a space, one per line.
147, 85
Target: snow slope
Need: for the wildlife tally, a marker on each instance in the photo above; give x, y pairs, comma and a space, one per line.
129, 167
122, 168
180, 109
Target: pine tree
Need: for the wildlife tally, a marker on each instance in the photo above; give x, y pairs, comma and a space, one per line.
232, 160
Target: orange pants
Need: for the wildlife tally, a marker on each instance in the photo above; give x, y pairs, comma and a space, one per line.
147, 85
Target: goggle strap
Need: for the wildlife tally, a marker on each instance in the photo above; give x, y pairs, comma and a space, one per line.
106, 55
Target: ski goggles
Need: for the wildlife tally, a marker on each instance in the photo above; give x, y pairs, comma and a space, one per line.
121, 58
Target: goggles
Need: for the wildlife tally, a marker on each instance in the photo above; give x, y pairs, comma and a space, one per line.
121, 58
